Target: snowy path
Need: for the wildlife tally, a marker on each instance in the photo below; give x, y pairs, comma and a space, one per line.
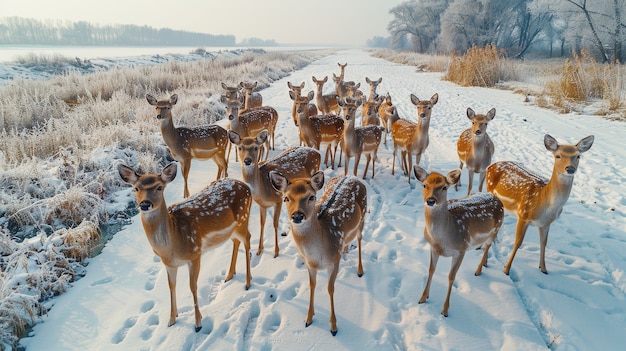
123, 301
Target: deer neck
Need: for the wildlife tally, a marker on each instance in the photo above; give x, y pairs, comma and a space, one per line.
557, 191
438, 220
158, 226
168, 131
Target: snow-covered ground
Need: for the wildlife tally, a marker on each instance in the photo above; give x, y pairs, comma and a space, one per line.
123, 301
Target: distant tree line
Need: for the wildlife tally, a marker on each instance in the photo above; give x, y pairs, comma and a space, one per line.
549, 27
20, 31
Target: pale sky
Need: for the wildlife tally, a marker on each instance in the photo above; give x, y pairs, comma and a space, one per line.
345, 22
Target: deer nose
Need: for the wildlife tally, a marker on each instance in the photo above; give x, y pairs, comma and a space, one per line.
247, 161
159, 116
145, 205
570, 169
477, 132
423, 115
297, 217
431, 201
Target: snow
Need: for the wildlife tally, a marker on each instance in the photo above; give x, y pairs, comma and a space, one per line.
123, 301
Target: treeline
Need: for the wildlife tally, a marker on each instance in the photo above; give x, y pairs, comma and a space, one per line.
25, 31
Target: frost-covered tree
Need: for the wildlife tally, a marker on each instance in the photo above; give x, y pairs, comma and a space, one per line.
417, 21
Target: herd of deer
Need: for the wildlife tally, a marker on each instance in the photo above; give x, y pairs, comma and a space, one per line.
323, 228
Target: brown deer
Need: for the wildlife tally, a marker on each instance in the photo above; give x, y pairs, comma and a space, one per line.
322, 230
180, 233
533, 199
294, 162
200, 143
385, 114
232, 92
251, 99
342, 70
252, 122
373, 85
412, 138
321, 130
369, 112
454, 226
297, 92
475, 148
358, 140
326, 103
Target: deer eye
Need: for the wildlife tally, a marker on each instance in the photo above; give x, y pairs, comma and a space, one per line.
256, 148
285, 199
312, 198
160, 188
135, 189
558, 156
444, 188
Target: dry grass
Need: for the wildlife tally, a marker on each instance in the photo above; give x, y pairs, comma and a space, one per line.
480, 67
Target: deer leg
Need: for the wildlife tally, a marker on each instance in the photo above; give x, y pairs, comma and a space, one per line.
171, 282
434, 257
483, 262
233, 259
263, 216
194, 271
543, 241
346, 164
520, 232
470, 181
368, 158
458, 184
393, 162
410, 166
456, 263
359, 236
277, 208
312, 283
481, 180
332, 276
357, 159
185, 166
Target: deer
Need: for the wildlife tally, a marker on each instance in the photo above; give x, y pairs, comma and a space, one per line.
252, 122
297, 92
373, 98
412, 138
385, 115
533, 199
180, 233
369, 114
454, 226
342, 69
251, 98
475, 148
320, 130
200, 142
326, 104
232, 92
358, 140
294, 162
323, 229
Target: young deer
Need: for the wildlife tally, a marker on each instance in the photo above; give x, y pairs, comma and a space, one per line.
232, 92
373, 85
320, 130
369, 115
412, 138
358, 140
295, 91
341, 88
293, 162
326, 104
384, 112
323, 230
185, 144
456, 225
533, 199
252, 122
475, 148
180, 233
251, 99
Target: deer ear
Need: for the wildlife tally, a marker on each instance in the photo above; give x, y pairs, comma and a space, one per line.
262, 137
151, 100
585, 144
434, 99
311, 95
292, 96
453, 176
550, 143
127, 174
420, 173
491, 114
174, 99
470, 113
317, 180
234, 137
169, 172
279, 182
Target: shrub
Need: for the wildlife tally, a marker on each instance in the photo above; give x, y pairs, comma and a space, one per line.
479, 67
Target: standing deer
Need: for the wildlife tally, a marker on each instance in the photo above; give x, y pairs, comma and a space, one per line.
326, 103
373, 85
295, 91
252, 122
321, 130
384, 112
232, 92
533, 199
369, 114
180, 233
251, 99
454, 226
373, 99
185, 144
323, 230
358, 140
293, 162
475, 148
412, 138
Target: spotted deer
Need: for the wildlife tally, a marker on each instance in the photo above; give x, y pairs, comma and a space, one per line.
412, 138
251, 98
322, 229
180, 233
252, 122
454, 226
293, 162
188, 143
295, 91
385, 113
326, 103
475, 148
533, 199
